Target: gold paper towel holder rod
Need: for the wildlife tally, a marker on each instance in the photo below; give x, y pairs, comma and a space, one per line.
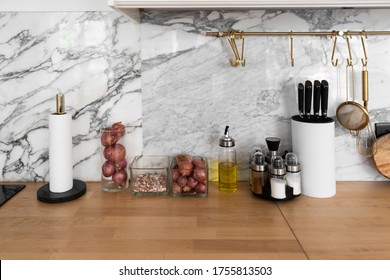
60, 104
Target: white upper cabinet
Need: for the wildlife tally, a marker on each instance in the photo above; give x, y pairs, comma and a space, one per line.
53, 5
239, 4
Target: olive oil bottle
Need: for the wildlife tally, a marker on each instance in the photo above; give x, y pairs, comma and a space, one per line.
227, 163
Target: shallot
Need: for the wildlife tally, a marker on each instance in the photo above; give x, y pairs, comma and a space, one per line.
120, 177
175, 174
200, 174
198, 163
118, 128
191, 182
183, 157
115, 153
182, 181
108, 168
185, 168
200, 188
176, 188
121, 164
108, 138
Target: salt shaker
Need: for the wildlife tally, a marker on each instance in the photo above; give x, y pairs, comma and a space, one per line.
258, 172
293, 175
277, 174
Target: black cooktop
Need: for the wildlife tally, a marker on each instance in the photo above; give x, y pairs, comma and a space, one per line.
8, 191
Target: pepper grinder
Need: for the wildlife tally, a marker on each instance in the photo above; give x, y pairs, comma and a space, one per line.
273, 147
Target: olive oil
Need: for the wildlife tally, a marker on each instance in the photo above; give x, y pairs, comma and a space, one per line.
227, 177
227, 163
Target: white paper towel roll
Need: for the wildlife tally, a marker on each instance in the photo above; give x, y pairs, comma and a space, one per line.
60, 153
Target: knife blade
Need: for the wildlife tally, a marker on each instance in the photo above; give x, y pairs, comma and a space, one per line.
301, 89
324, 98
308, 94
316, 98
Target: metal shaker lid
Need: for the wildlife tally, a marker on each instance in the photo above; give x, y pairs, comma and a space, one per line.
258, 162
277, 166
226, 140
292, 164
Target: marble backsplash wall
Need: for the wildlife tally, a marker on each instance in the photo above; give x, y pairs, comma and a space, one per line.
94, 59
187, 92
190, 92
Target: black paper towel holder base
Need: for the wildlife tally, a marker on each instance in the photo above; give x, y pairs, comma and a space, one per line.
45, 195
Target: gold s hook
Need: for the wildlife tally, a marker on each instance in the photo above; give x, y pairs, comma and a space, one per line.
292, 48
349, 60
233, 62
334, 34
242, 60
364, 61
232, 35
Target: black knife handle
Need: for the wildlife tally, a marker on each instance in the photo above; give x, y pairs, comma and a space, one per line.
301, 90
316, 98
324, 98
308, 94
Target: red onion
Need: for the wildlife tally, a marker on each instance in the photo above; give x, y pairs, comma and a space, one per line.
175, 174
192, 182
186, 189
115, 153
118, 128
200, 188
108, 152
121, 164
200, 174
183, 157
198, 163
120, 177
185, 168
109, 138
108, 169
181, 181
176, 188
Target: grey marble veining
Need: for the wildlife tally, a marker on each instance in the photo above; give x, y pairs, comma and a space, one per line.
172, 86
190, 92
91, 58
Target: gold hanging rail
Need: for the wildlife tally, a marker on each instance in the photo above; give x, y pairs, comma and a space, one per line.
240, 60
298, 33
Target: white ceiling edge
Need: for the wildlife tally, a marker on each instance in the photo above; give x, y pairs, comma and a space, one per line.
53, 5
161, 4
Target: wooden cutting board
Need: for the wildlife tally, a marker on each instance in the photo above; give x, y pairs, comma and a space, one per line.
382, 155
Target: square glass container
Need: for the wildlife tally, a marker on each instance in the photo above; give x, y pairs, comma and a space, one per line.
149, 175
189, 179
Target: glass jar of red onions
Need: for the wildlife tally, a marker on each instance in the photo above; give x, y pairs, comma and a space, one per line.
113, 154
189, 177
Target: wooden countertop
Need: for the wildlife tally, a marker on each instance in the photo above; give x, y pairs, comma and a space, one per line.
355, 224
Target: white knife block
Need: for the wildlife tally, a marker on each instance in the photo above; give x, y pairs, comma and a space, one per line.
313, 143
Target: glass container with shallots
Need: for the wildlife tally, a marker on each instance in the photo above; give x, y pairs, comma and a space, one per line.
114, 176
189, 176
